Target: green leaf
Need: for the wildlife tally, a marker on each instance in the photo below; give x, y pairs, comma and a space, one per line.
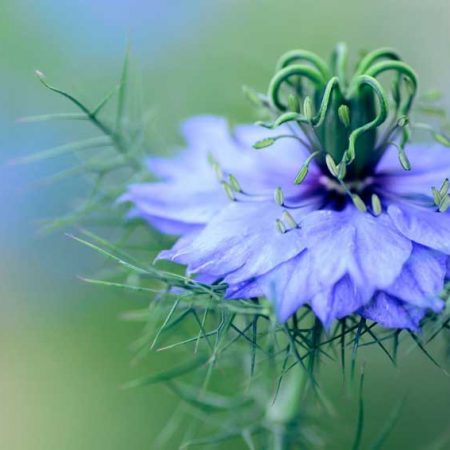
360, 421
123, 85
87, 144
379, 442
167, 375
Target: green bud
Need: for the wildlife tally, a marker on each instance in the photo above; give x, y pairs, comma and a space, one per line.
263, 143
278, 196
234, 183
376, 204
357, 201
344, 115
307, 108
286, 216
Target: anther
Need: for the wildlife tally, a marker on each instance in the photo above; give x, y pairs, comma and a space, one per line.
444, 188
218, 171
234, 183
280, 226
229, 191
287, 217
332, 167
263, 143
344, 115
301, 175
293, 103
442, 139
376, 204
358, 202
445, 203
278, 196
307, 108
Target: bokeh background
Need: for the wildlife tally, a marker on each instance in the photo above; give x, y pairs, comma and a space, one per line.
64, 353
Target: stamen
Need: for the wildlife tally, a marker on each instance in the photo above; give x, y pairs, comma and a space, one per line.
331, 165
287, 217
358, 202
301, 175
293, 103
263, 143
441, 197
344, 115
307, 109
444, 188
442, 139
376, 204
229, 191
278, 196
280, 226
234, 183
444, 204
218, 171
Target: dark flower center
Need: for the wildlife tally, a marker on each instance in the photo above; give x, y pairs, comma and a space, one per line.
346, 122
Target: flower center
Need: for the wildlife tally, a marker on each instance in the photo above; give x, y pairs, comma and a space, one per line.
346, 122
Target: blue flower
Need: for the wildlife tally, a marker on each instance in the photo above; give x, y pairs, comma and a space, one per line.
373, 244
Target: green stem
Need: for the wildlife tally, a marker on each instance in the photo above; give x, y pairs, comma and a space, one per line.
283, 414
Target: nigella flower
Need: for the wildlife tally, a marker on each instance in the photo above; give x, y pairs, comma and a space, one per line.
334, 209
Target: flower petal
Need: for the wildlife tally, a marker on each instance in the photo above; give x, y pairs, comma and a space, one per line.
430, 165
423, 226
175, 203
367, 248
391, 312
289, 286
421, 279
337, 301
241, 242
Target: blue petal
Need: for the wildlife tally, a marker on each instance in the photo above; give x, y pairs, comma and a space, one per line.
430, 165
245, 289
191, 194
203, 134
422, 279
289, 286
369, 249
339, 300
423, 226
181, 205
391, 312
240, 243
166, 226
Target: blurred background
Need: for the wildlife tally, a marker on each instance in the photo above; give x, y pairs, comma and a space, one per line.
64, 353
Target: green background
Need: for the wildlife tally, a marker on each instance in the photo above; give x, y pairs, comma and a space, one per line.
64, 353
